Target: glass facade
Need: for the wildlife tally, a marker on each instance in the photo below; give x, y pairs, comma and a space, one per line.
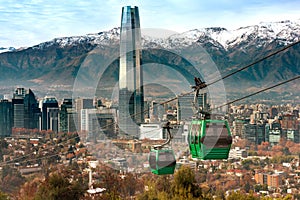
50, 116
131, 94
185, 106
66, 116
6, 122
31, 111
25, 109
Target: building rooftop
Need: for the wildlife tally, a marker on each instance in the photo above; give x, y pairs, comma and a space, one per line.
49, 100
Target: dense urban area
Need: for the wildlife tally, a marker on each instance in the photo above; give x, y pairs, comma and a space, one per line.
103, 115
72, 149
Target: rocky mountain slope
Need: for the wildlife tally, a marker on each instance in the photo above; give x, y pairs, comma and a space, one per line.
58, 62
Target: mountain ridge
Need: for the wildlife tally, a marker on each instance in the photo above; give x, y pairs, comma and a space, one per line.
58, 61
286, 30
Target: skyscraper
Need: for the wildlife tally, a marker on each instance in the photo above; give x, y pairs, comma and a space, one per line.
18, 107
6, 122
131, 94
81, 103
31, 110
25, 109
49, 114
66, 116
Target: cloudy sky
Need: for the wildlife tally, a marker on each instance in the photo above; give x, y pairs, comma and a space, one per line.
30, 22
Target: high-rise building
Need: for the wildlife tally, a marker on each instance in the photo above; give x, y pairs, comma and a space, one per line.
292, 135
255, 133
185, 107
31, 111
25, 109
5, 118
82, 103
273, 112
52, 118
250, 132
50, 114
131, 94
289, 122
18, 107
99, 123
86, 118
238, 127
290, 127
273, 133
107, 121
66, 116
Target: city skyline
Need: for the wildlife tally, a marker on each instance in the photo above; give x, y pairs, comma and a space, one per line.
96, 146
44, 20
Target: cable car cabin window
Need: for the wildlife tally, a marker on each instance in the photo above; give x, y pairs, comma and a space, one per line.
152, 160
166, 159
216, 136
195, 133
190, 136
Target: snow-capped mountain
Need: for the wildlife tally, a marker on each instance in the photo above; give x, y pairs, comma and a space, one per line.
58, 60
103, 38
285, 32
4, 49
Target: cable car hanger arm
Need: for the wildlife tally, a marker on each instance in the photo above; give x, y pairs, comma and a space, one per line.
169, 137
197, 87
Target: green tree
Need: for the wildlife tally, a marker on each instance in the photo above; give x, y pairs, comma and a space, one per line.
240, 196
163, 184
246, 164
184, 184
150, 192
58, 187
3, 196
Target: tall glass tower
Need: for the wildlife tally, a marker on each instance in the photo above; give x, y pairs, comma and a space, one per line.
131, 94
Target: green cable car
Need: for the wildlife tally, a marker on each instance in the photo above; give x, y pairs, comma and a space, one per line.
209, 139
162, 159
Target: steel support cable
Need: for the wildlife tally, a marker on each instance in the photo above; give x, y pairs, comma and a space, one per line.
222, 78
257, 61
239, 99
247, 96
10, 162
260, 91
239, 70
226, 76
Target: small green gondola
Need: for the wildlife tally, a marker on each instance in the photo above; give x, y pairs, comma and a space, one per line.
209, 139
162, 161
161, 158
